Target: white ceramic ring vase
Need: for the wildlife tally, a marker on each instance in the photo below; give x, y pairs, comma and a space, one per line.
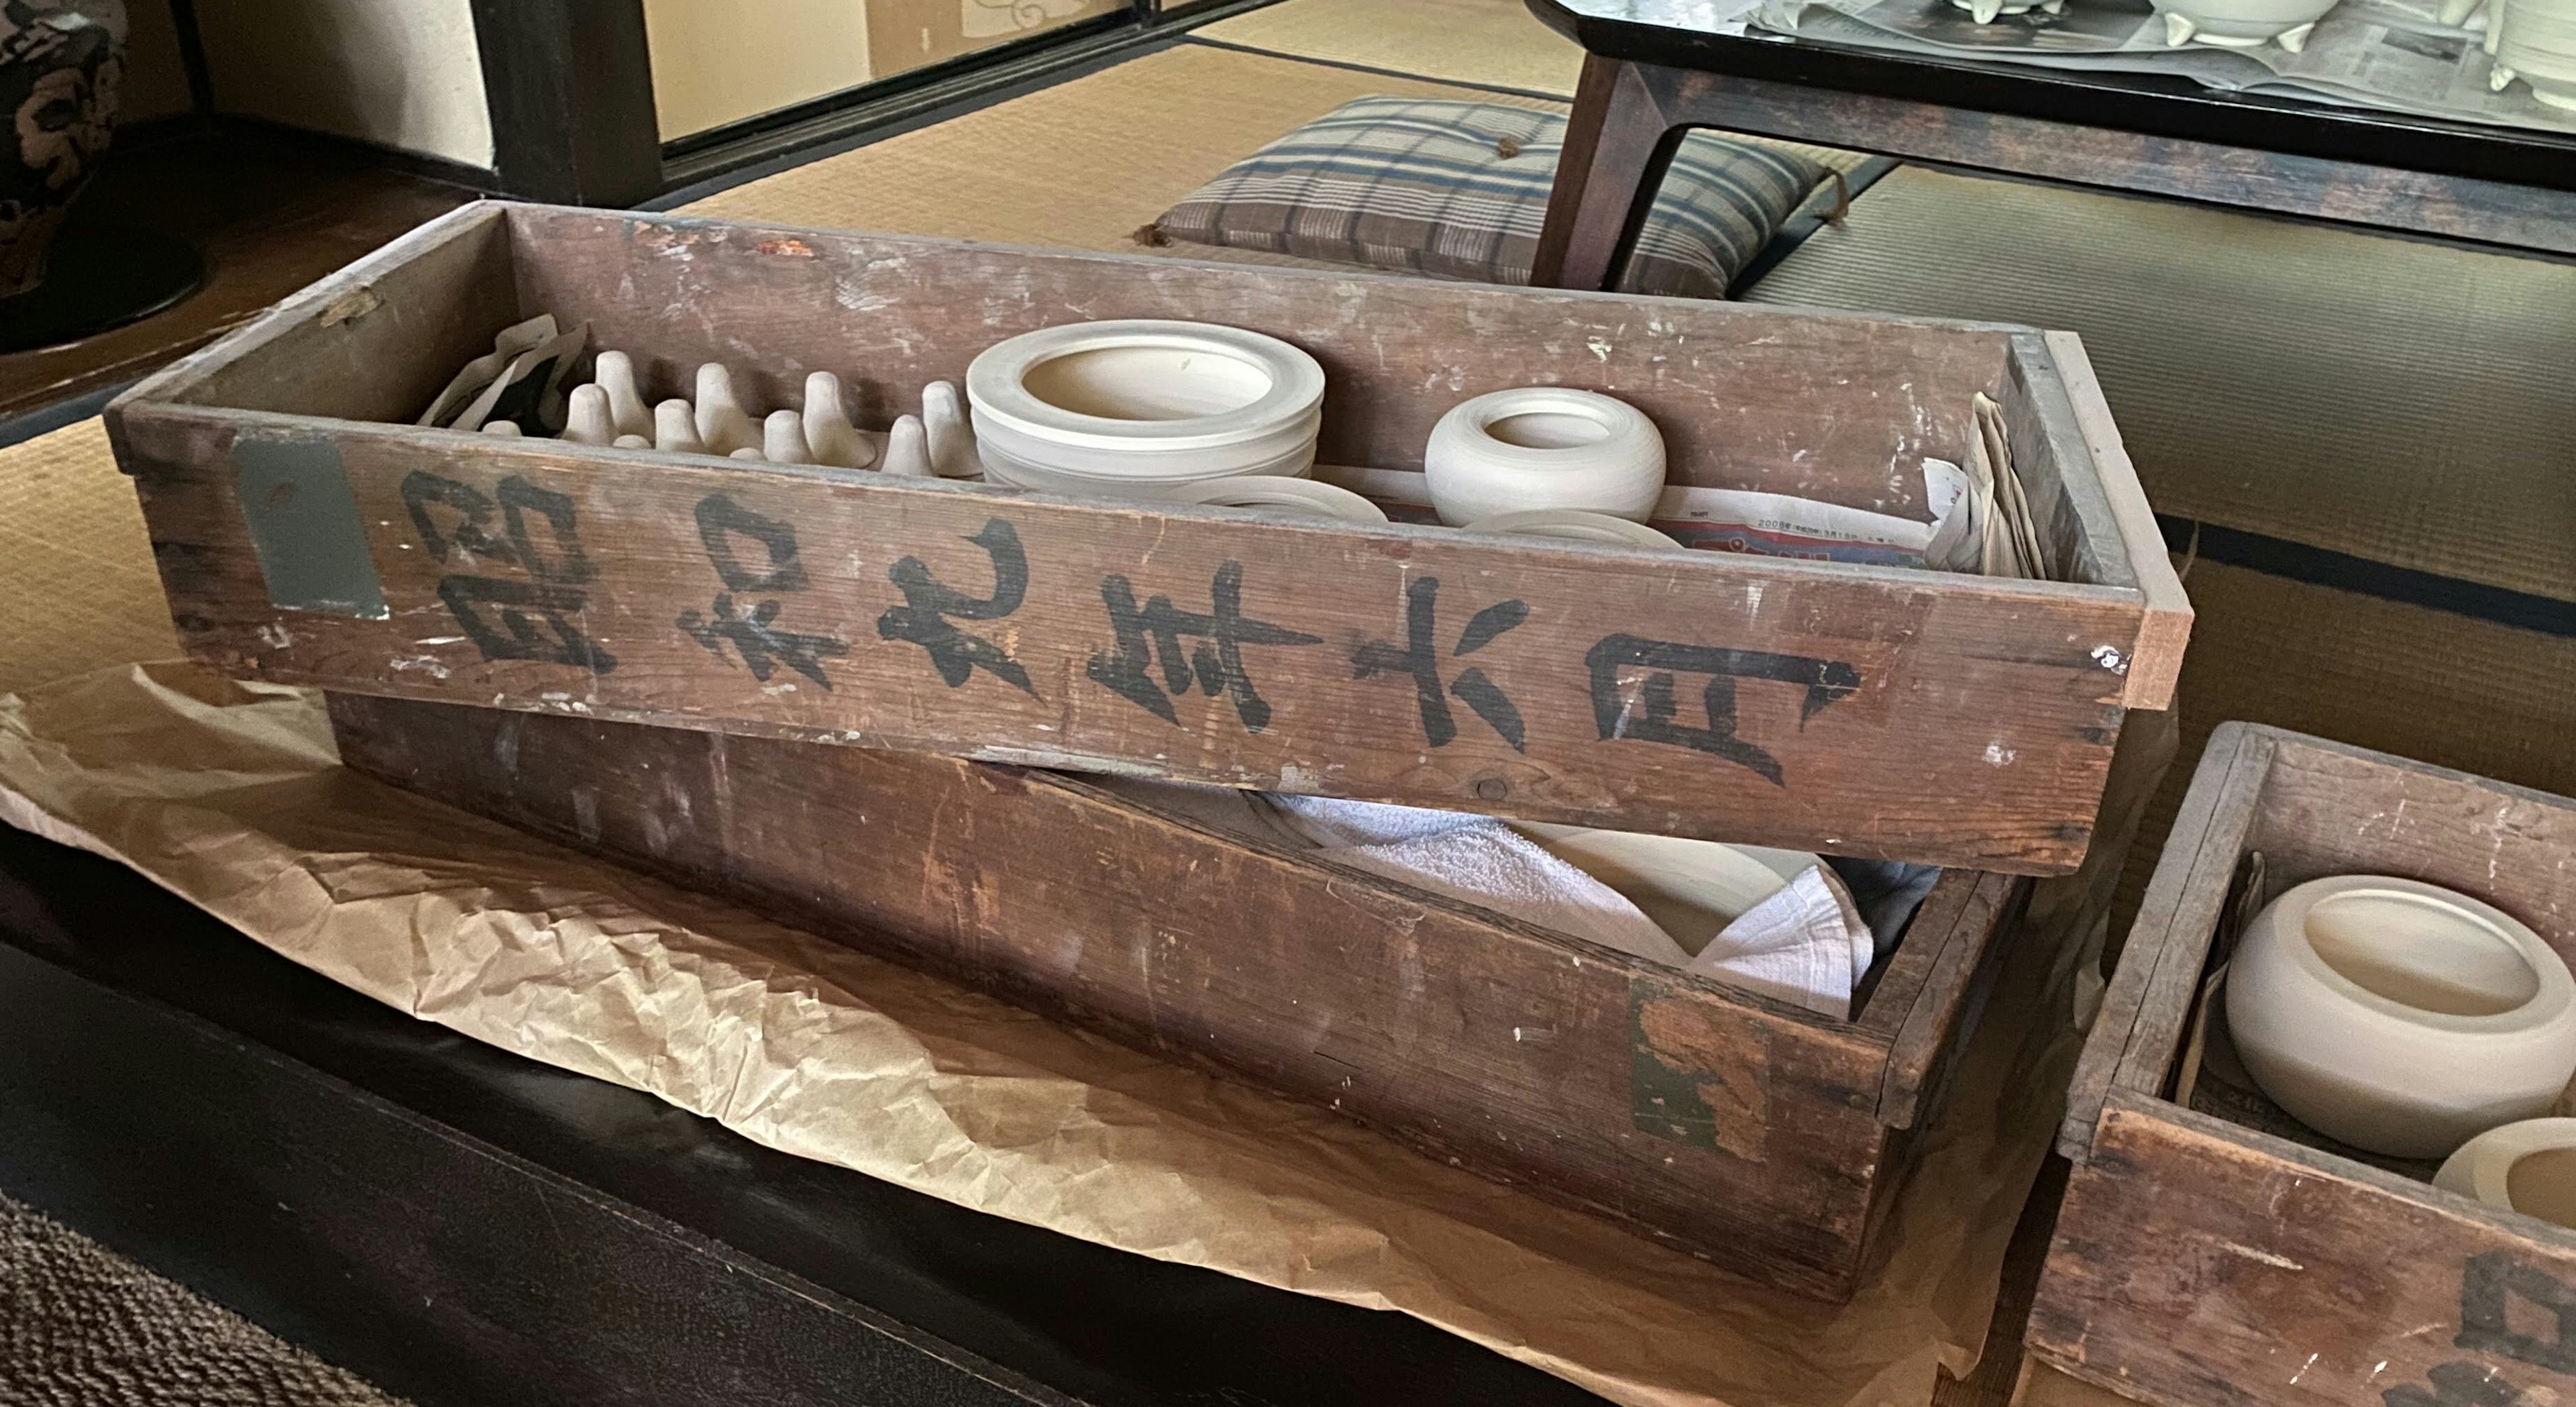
2398, 1016
2529, 1167
1542, 447
1118, 407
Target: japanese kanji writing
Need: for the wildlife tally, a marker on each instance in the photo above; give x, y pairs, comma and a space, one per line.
752, 629
1153, 633
929, 604
1651, 714
1419, 657
2489, 1283
530, 615
2455, 1385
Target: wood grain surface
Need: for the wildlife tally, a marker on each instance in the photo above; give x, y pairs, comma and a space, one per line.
1740, 1129
2202, 1263
1930, 717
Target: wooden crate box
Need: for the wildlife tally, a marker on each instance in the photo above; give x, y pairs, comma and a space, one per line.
304, 535
1749, 1131
2214, 1259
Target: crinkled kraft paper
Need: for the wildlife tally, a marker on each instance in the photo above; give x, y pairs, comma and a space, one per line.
231, 796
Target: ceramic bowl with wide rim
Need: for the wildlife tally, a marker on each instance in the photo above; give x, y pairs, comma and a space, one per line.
1543, 447
1302, 497
2398, 1016
1144, 399
1692, 889
2527, 1167
1568, 525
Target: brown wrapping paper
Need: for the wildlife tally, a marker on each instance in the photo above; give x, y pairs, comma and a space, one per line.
231, 796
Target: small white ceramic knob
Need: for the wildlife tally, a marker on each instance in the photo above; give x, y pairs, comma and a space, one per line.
2529, 1167
587, 421
1543, 447
675, 429
506, 429
722, 422
633, 442
829, 432
614, 373
2399, 1016
907, 451
782, 438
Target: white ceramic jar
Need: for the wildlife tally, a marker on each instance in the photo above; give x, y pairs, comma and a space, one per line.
2529, 1167
1117, 407
1543, 447
2535, 41
2399, 1016
2241, 24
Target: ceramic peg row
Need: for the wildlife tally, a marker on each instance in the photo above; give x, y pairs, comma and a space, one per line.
829, 433
952, 441
675, 429
2399, 1016
615, 374
782, 438
634, 442
907, 452
506, 429
722, 423
588, 420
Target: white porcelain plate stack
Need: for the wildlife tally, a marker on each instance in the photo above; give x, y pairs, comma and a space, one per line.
1134, 409
2535, 41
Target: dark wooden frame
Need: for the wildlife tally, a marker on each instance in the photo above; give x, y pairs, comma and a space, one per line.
1975, 717
1644, 84
1752, 1133
2201, 1263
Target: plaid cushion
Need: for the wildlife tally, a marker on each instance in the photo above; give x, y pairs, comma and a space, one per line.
1459, 190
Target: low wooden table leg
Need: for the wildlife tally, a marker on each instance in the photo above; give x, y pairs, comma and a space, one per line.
1615, 155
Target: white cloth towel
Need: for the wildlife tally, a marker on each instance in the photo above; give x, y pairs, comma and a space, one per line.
1806, 945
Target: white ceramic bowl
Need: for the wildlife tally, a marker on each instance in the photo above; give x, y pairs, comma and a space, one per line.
1543, 447
2241, 24
1567, 525
2529, 1167
1692, 889
1088, 405
1303, 498
2399, 1016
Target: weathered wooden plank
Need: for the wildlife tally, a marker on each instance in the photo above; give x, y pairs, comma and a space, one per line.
2198, 1264
2155, 663
373, 341
1873, 712
1731, 1126
2148, 1004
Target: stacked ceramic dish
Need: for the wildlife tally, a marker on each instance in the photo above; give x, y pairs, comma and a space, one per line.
1141, 408
2535, 41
